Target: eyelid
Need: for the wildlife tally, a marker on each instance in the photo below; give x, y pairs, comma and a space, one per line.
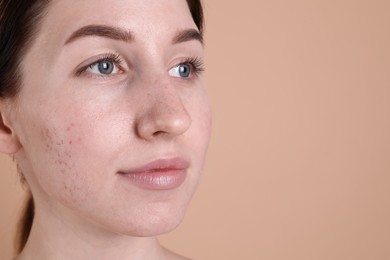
196, 64
114, 57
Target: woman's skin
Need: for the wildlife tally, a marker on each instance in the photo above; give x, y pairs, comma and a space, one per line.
75, 131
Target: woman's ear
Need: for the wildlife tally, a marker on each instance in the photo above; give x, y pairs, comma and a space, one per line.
9, 141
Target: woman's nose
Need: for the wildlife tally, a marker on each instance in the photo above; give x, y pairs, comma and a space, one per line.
164, 116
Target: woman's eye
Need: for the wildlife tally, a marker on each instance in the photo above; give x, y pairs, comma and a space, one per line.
103, 67
181, 71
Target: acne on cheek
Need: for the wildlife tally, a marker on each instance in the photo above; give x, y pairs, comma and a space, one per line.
59, 147
56, 150
70, 132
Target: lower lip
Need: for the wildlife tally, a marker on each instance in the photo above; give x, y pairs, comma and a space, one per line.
163, 179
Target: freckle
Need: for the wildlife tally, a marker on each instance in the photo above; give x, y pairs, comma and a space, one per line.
70, 142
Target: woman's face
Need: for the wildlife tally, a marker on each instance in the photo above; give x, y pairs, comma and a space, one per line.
112, 115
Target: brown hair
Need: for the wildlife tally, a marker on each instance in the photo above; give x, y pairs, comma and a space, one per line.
19, 22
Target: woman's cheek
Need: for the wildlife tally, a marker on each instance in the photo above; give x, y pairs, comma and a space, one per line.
201, 117
83, 152
68, 160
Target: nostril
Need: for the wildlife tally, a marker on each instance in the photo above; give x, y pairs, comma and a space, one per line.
159, 133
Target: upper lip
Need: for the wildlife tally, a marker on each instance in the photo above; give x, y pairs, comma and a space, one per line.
176, 163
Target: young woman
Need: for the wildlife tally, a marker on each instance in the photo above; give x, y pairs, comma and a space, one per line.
104, 111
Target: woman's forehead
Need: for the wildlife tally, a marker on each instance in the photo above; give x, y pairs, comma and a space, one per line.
148, 21
138, 16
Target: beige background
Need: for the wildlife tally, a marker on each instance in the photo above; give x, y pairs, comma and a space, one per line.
299, 163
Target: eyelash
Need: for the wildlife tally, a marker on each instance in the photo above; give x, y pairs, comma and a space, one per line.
196, 64
113, 57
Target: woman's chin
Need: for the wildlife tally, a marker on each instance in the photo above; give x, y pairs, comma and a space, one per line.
143, 224
154, 227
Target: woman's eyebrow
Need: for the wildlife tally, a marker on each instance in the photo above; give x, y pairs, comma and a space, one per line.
106, 31
188, 35
116, 33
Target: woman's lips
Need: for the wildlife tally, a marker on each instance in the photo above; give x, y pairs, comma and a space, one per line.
161, 174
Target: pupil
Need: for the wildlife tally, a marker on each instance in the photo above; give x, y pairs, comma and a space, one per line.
106, 67
184, 71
